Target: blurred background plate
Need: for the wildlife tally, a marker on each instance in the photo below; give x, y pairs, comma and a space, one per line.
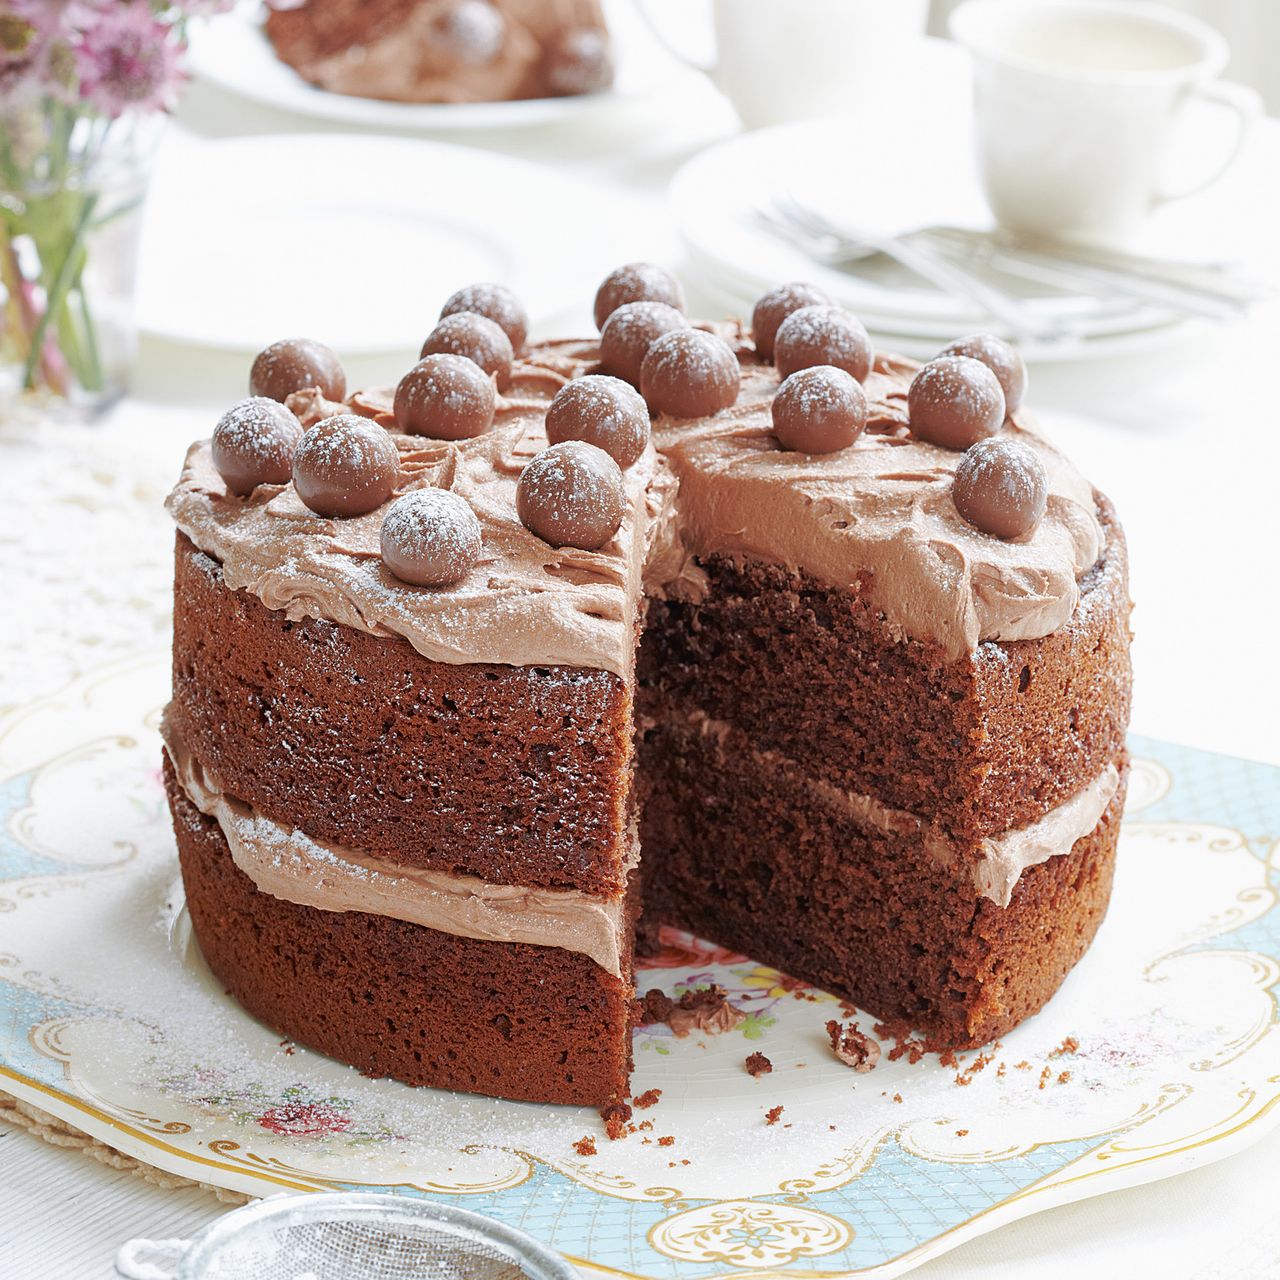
234, 53
915, 168
358, 240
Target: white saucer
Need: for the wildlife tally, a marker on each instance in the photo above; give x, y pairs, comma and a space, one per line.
909, 168
357, 240
234, 53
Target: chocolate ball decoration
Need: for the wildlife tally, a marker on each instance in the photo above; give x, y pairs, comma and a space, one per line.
253, 444
571, 495
430, 538
630, 331
819, 410
497, 303
776, 306
474, 337
822, 335
345, 466
577, 60
690, 374
295, 364
445, 397
955, 401
470, 32
636, 282
1000, 487
606, 412
1001, 358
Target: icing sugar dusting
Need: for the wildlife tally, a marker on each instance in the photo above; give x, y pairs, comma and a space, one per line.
431, 523
256, 428
691, 354
830, 327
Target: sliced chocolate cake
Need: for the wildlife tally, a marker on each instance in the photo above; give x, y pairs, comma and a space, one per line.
823, 655
445, 50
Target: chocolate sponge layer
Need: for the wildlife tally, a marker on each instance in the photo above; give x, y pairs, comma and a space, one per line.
395, 999
519, 775
978, 746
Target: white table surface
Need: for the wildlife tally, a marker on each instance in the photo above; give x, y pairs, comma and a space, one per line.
1187, 443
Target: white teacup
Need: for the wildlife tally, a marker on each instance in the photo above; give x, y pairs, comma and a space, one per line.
779, 60
1077, 104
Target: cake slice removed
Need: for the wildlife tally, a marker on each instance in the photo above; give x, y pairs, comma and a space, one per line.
814, 653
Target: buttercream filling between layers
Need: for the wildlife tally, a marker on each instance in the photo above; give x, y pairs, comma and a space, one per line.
289, 864
996, 862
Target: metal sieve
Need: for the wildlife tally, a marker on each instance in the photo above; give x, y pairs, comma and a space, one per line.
346, 1236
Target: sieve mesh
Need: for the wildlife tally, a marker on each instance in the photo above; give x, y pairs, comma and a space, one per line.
361, 1236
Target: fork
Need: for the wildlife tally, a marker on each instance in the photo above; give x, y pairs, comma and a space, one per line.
822, 239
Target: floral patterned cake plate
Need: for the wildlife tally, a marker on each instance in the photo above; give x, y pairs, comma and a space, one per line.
1162, 1050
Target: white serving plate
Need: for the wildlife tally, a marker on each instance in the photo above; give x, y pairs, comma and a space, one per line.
357, 240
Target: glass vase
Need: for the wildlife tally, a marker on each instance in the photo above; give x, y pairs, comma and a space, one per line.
71, 196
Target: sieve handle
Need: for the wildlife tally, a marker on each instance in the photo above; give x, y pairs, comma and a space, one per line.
150, 1259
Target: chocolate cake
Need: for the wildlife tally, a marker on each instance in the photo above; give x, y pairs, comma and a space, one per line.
831, 668
445, 50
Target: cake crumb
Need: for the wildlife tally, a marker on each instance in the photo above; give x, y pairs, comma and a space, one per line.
706, 1009
667, 1140
1001, 1069
1069, 1045
1024, 1065
1064, 1076
647, 1099
615, 1117
773, 1115
854, 1048
948, 1058
979, 1064
585, 1146
645, 1124
962, 1133
897, 1097
1045, 1076
758, 1065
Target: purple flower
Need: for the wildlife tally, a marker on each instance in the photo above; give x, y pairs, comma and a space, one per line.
126, 60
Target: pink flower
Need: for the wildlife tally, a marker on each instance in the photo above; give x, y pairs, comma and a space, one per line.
126, 60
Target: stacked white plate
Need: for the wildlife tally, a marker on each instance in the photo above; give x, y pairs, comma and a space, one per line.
357, 240
912, 167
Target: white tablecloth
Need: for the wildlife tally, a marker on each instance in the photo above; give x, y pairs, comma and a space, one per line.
1187, 443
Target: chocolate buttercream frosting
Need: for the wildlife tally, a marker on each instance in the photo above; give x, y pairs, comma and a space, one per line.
288, 864
877, 517
523, 603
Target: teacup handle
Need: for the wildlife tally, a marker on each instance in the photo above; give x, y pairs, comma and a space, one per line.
1246, 105
659, 34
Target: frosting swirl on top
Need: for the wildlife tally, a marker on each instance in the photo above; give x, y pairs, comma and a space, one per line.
876, 517
524, 603
882, 508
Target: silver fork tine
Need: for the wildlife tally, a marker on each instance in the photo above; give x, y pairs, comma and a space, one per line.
943, 274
